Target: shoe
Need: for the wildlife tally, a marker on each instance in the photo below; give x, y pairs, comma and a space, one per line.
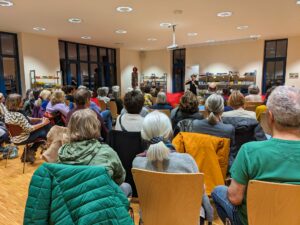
10, 151
30, 155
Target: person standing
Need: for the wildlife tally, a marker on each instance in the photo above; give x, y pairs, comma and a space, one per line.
193, 84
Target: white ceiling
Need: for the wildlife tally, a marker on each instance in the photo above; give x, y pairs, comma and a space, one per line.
269, 18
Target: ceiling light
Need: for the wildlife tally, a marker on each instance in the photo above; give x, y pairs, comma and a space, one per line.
178, 11
242, 27
255, 36
142, 49
121, 31
165, 25
39, 28
224, 14
124, 9
6, 3
152, 39
298, 2
192, 34
86, 37
210, 41
75, 20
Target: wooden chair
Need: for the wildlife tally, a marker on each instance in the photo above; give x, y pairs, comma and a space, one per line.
273, 203
15, 130
103, 106
251, 106
204, 113
165, 111
169, 198
264, 123
113, 109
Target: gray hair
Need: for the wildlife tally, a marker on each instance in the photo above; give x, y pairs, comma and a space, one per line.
253, 89
82, 87
161, 97
215, 106
102, 91
284, 103
157, 125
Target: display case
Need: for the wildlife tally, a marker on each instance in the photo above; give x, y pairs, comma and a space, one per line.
39, 81
154, 81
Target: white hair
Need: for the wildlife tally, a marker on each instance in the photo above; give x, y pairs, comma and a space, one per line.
214, 105
161, 97
284, 103
129, 89
157, 125
115, 88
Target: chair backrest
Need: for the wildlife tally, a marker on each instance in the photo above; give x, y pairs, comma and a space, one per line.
103, 106
154, 100
204, 113
273, 203
169, 198
127, 145
264, 123
113, 109
165, 111
14, 130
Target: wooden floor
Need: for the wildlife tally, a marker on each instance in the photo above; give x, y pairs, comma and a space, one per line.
14, 187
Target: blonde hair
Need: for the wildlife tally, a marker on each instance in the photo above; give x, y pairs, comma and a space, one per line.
215, 106
13, 102
236, 99
84, 125
44, 95
156, 129
58, 96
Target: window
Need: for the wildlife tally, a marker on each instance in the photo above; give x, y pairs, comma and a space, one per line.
274, 63
178, 70
9, 64
87, 65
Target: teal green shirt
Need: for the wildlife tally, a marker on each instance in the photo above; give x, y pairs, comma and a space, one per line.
274, 160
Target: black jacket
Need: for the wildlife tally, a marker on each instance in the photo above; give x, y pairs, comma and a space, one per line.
177, 115
246, 130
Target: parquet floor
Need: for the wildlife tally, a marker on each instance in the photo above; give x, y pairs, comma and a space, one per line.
14, 187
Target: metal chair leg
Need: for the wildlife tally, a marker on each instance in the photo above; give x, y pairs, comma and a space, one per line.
7, 156
25, 156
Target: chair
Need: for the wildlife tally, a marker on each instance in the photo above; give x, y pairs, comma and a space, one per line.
127, 145
165, 111
154, 99
103, 106
204, 113
113, 109
169, 198
264, 123
16, 130
273, 203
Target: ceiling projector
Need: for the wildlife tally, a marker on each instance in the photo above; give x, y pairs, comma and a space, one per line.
172, 47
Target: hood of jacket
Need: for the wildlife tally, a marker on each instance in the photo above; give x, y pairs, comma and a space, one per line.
79, 153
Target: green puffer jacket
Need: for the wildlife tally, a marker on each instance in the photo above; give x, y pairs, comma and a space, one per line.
68, 195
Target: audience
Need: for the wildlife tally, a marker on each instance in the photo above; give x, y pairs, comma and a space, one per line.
28, 104
263, 108
274, 160
147, 96
102, 94
57, 104
161, 102
213, 124
131, 121
160, 156
236, 102
85, 149
253, 96
187, 109
69, 91
41, 103
30, 132
116, 98
2, 107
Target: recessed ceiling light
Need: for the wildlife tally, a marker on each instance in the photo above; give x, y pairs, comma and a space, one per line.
124, 9
86, 37
224, 14
165, 25
6, 3
255, 36
39, 28
142, 49
210, 41
244, 27
75, 20
178, 11
298, 2
121, 31
192, 34
152, 39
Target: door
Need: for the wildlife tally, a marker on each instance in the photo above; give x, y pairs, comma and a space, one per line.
178, 70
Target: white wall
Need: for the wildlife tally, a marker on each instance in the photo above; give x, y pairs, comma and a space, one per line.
242, 57
39, 53
157, 62
293, 61
127, 59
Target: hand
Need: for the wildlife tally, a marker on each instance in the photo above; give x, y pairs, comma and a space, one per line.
46, 120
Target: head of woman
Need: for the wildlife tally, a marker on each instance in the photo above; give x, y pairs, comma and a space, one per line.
14, 102
134, 102
2, 98
236, 100
57, 97
161, 98
101, 91
215, 106
253, 89
189, 103
84, 125
116, 92
156, 130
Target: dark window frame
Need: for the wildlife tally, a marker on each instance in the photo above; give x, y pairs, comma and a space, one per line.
178, 65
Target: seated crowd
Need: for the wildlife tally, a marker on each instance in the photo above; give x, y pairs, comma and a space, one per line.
77, 129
